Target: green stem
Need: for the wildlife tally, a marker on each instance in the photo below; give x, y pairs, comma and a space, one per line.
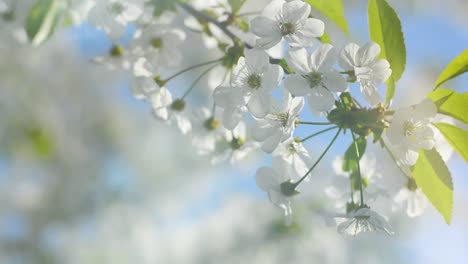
318, 133
319, 159
197, 80
359, 168
192, 67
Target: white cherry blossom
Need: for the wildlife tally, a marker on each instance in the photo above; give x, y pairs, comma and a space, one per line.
252, 85
143, 84
363, 220
207, 131
315, 77
279, 124
288, 20
365, 67
160, 44
410, 131
112, 16
272, 180
296, 155
239, 147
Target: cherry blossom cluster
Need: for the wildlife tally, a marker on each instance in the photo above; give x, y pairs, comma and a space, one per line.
256, 99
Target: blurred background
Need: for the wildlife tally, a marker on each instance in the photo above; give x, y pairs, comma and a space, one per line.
87, 175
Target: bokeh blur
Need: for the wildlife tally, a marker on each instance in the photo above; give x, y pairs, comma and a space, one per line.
87, 175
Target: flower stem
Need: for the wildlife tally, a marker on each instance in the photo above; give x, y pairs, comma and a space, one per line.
193, 67
318, 133
359, 168
319, 159
197, 80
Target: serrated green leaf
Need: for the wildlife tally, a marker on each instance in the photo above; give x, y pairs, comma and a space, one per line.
456, 136
458, 66
451, 103
434, 179
351, 159
385, 29
333, 9
42, 20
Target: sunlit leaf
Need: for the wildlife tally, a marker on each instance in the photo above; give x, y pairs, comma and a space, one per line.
456, 136
434, 179
351, 158
451, 103
385, 29
458, 66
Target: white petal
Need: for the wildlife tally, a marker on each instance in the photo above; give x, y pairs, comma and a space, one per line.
313, 28
348, 56
370, 92
321, 100
257, 60
298, 60
268, 42
297, 85
295, 11
231, 117
367, 54
265, 27
381, 71
259, 104
262, 130
272, 78
323, 58
228, 97
273, 9
334, 81
272, 142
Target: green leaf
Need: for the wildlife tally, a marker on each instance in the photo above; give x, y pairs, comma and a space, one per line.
42, 20
451, 103
434, 179
385, 30
391, 88
458, 66
326, 38
456, 136
333, 9
350, 158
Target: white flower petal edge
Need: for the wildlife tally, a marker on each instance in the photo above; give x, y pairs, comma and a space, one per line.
315, 76
364, 65
289, 20
411, 130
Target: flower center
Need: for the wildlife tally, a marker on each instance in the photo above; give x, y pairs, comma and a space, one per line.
282, 118
254, 81
156, 43
408, 128
237, 143
116, 51
178, 105
211, 124
287, 28
314, 79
